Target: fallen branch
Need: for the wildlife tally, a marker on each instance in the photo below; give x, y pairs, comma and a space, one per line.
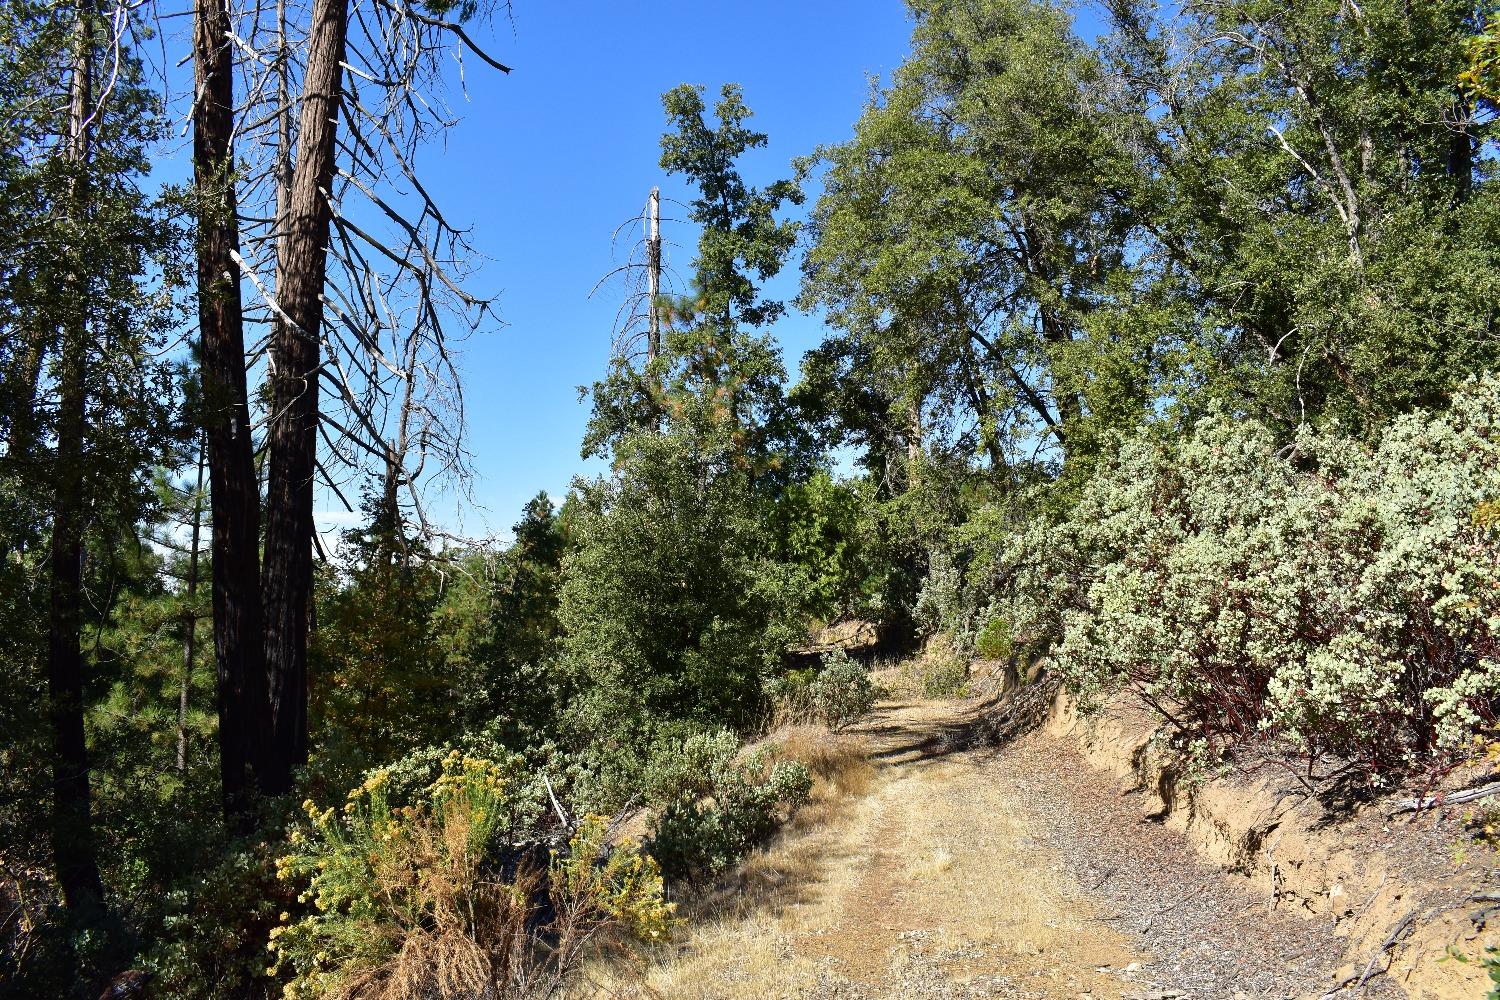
1445, 799
1479, 918
557, 806
1401, 928
1370, 971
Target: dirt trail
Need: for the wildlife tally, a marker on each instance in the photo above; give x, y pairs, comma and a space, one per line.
1006, 873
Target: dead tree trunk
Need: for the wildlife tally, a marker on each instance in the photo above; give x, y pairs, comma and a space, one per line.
653, 275
301, 268
72, 821
234, 492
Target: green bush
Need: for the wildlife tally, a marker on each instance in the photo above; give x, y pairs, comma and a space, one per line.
945, 606
672, 605
722, 811
829, 533
943, 674
212, 940
1343, 596
842, 692
994, 642
790, 695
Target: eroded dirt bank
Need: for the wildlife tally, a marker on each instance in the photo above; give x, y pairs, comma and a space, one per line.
1029, 870
1399, 892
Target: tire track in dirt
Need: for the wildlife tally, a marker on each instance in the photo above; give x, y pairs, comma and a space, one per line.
967, 873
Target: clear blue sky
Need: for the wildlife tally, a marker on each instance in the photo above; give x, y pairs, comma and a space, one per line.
550, 159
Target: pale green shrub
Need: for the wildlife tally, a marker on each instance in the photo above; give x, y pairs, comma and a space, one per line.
842, 692
945, 606
1343, 596
731, 807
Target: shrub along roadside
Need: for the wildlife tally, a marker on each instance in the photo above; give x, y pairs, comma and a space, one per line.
1339, 596
713, 807
429, 899
842, 693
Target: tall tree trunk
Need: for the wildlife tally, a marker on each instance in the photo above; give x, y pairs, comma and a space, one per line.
235, 496
18, 423
1461, 151
72, 823
190, 618
301, 268
20, 385
1057, 332
979, 398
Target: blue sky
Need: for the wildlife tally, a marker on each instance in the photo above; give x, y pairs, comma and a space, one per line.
550, 159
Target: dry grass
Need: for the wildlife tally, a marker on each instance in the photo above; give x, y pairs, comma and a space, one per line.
478, 945
937, 673
731, 948
839, 761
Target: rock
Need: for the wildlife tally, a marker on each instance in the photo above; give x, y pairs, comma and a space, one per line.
851, 636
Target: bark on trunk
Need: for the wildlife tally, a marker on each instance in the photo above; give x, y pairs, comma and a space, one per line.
235, 498
300, 271
1057, 332
190, 619
1461, 152
73, 845
18, 423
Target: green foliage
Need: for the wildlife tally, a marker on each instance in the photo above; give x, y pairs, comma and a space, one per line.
381, 683
716, 377
1339, 595
1482, 76
790, 695
833, 541
944, 606
1150, 355
90, 281
413, 650
419, 894
498, 628
995, 641
740, 235
965, 233
842, 692
673, 606
1361, 216
214, 928
1031, 243
719, 808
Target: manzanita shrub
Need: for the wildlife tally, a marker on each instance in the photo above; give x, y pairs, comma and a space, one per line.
842, 692
1340, 595
718, 806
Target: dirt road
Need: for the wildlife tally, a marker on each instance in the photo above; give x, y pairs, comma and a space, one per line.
1008, 873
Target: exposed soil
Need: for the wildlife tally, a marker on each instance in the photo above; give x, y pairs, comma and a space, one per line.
966, 872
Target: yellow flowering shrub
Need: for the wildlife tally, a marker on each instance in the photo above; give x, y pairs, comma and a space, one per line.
622, 885
430, 900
